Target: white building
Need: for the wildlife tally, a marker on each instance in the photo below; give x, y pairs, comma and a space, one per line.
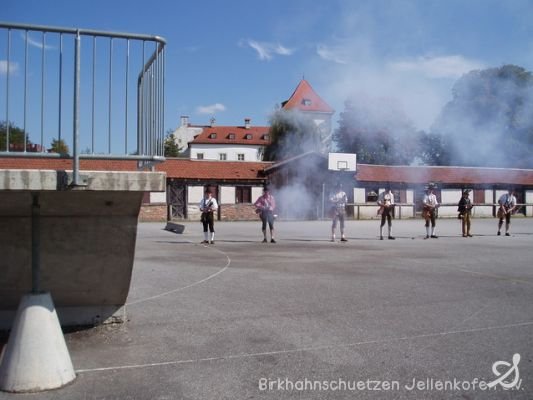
186, 133
230, 143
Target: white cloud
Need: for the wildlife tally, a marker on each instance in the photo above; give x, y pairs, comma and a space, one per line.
211, 109
334, 54
266, 50
452, 66
13, 67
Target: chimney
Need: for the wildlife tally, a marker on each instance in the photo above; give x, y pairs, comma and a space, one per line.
247, 123
212, 122
184, 120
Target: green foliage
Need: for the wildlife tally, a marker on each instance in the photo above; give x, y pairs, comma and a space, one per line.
292, 133
59, 146
16, 137
434, 149
171, 147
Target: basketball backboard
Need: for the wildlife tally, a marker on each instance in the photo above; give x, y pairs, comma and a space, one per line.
342, 162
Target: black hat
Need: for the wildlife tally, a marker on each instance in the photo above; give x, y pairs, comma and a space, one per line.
430, 185
466, 191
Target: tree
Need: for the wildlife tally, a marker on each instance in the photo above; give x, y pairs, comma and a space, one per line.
16, 137
171, 147
434, 149
377, 131
292, 133
59, 146
489, 122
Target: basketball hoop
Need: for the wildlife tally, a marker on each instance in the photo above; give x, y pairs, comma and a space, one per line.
342, 162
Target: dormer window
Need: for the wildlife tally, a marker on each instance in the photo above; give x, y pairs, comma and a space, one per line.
306, 102
266, 136
212, 135
231, 136
248, 136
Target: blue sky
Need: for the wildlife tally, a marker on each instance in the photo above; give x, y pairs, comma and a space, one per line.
237, 59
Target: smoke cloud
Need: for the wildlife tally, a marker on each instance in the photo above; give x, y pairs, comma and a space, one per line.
300, 143
489, 122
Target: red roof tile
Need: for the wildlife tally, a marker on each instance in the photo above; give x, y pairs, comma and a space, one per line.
243, 170
175, 168
448, 175
203, 169
305, 98
223, 135
66, 164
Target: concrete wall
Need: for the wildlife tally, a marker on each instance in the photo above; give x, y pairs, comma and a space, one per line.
194, 196
87, 241
227, 194
449, 196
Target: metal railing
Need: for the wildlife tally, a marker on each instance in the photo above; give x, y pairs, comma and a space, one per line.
73, 88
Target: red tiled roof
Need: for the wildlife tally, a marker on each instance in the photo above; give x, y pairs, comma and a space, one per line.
203, 169
175, 168
243, 170
305, 98
448, 175
66, 164
223, 133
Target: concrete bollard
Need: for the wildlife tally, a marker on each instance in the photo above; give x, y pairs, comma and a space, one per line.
36, 357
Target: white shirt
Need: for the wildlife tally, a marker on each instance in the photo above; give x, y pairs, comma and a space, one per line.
339, 199
208, 203
507, 200
386, 199
430, 200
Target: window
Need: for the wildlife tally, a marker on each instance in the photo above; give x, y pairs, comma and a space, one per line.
222, 156
306, 102
371, 195
231, 136
200, 156
240, 157
266, 136
248, 136
212, 135
243, 194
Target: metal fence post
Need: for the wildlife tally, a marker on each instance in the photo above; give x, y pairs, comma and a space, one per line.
76, 116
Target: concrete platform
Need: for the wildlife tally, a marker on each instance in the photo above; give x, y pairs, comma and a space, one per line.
87, 240
220, 321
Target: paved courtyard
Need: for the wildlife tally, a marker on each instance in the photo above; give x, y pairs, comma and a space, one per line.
309, 319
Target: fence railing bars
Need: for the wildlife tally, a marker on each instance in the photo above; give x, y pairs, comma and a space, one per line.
81, 78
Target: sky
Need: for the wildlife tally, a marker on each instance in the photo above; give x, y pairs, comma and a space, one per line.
240, 59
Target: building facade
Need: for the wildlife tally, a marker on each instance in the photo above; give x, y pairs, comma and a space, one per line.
302, 186
306, 101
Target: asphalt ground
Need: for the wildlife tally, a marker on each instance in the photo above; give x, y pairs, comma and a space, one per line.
309, 319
